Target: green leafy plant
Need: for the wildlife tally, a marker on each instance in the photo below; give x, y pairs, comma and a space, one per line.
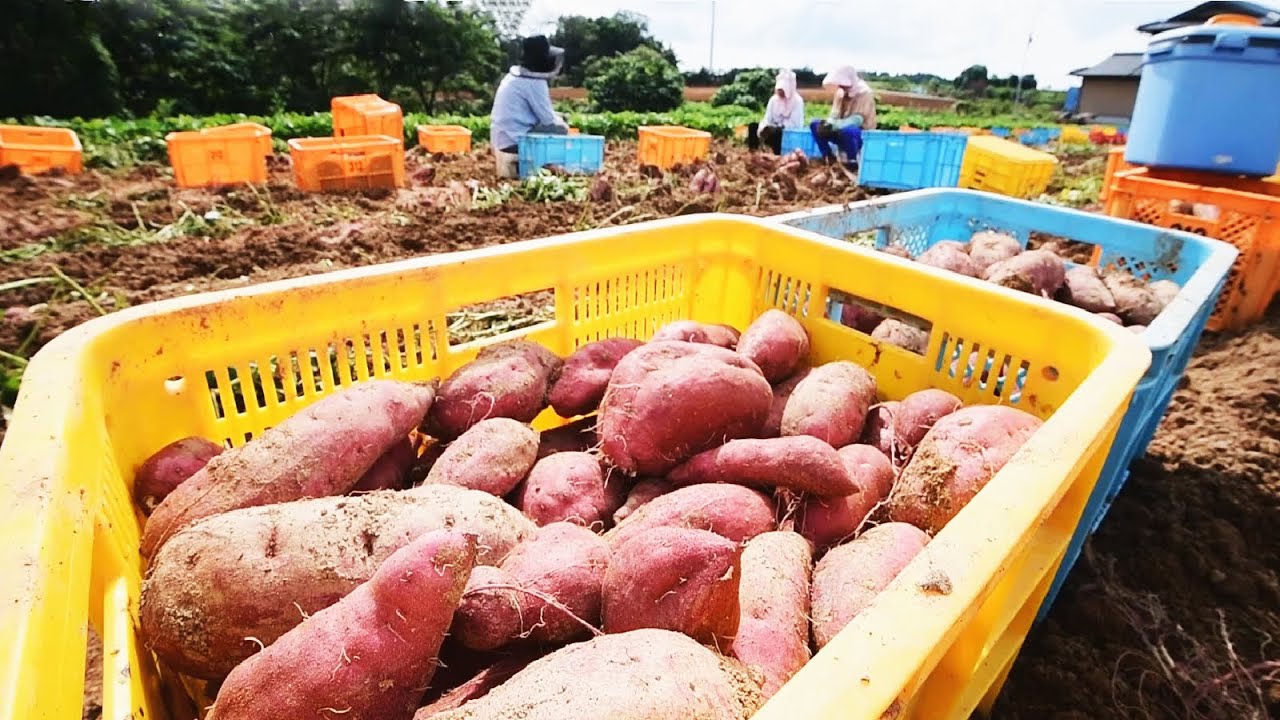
641, 80
546, 187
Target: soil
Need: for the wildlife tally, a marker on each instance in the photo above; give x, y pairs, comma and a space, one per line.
1169, 614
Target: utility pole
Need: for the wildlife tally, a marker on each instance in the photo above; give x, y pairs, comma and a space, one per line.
711, 60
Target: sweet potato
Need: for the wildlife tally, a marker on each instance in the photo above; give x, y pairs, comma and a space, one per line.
859, 317
668, 401
959, 455
830, 404
640, 675
253, 573
577, 436
493, 455
698, 332
781, 394
829, 521
508, 380
169, 467
1038, 272
1135, 303
1137, 329
322, 450
674, 579
731, 511
585, 376
1084, 289
800, 463
986, 248
545, 590
370, 654
1111, 317
907, 337
896, 251
391, 471
919, 411
777, 343
570, 487
477, 686
949, 257
847, 579
877, 431
959, 245
1165, 290
773, 619
641, 494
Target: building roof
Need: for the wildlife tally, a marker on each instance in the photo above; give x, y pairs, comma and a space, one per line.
1120, 65
1201, 13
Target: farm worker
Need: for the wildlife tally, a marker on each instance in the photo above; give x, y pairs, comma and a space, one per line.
522, 104
785, 110
853, 109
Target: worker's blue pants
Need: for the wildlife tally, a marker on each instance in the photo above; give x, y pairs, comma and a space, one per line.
848, 140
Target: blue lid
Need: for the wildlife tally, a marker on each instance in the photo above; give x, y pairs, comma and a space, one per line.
1217, 37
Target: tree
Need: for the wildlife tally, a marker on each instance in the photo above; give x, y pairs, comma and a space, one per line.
1028, 82
973, 79
54, 61
585, 39
302, 52
642, 80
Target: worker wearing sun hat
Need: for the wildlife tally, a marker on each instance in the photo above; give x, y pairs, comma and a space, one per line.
785, 110
522, 104
853, 109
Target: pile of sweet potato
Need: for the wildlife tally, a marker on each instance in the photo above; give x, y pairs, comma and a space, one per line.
716, 511
1115, 295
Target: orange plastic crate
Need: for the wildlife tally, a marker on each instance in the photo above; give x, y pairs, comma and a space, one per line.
444, 138
38, 150
225, 155
669, 145
907, 128
349, 163
366, 115
1240, 211
1115, 163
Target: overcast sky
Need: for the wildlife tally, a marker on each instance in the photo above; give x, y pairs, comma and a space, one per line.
900, 36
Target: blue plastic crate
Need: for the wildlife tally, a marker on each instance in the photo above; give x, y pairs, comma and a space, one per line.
917, 220
578, 154
800, 139
1036, 137
1003, 132
909, 160
1054, 133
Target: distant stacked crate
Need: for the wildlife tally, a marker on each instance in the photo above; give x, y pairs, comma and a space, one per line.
444, 138
366, 115
1008, 168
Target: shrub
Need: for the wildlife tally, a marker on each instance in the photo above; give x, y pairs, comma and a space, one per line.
751, 88
640, 80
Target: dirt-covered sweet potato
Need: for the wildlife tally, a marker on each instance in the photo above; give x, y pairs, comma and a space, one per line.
1136, 303
848, 578
585, 375
986, 248
919, 411
370, 654
732, 511
571, 487
949, 257
1038, 272
219, 588
781, 394
777, 343
322, 450
830, 403
959, 455
799, 462
391, 471
698, 332
643, 674
674, 579
493, 455
640, 495
773, 598
577, 436
959, 245
1165, 290
544, 592
829, 521
669, 401
907, 337
1083, 288
508, 380
169, 467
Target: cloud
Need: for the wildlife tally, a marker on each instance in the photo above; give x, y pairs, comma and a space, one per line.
899, 36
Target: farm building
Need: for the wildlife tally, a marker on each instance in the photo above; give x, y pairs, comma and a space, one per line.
1108, 90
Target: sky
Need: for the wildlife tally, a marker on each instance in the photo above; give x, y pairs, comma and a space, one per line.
897, 36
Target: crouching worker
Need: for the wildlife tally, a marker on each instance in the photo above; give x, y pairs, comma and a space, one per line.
522, 104
785, 110
853, 109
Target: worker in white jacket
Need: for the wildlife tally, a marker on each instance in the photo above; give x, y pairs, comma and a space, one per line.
785, 110
522, 104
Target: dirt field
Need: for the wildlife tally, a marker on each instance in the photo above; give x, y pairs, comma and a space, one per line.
1170, 614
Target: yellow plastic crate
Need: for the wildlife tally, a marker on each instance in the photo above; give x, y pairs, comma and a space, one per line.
1074, 134
103, 396
666, 146
1009, 168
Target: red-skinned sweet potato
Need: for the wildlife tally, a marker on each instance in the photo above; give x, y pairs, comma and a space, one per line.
773, 618
640, 495
959, 455
919, 411
1084, 289
949, 257
986, 248
674, 579
493, 455
571, 487
859, 317
698, 332
847, 579
830, 404
907, 337
781, 394
169, 467
877, 431
508, 380
322, 450
1135, 303
1038, 272
732, 511
800, 463
777, 343
585, 376
1112, 317
829, 521
896, 251
391, 471
369, 655
577, 436
668, 401
477, 686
